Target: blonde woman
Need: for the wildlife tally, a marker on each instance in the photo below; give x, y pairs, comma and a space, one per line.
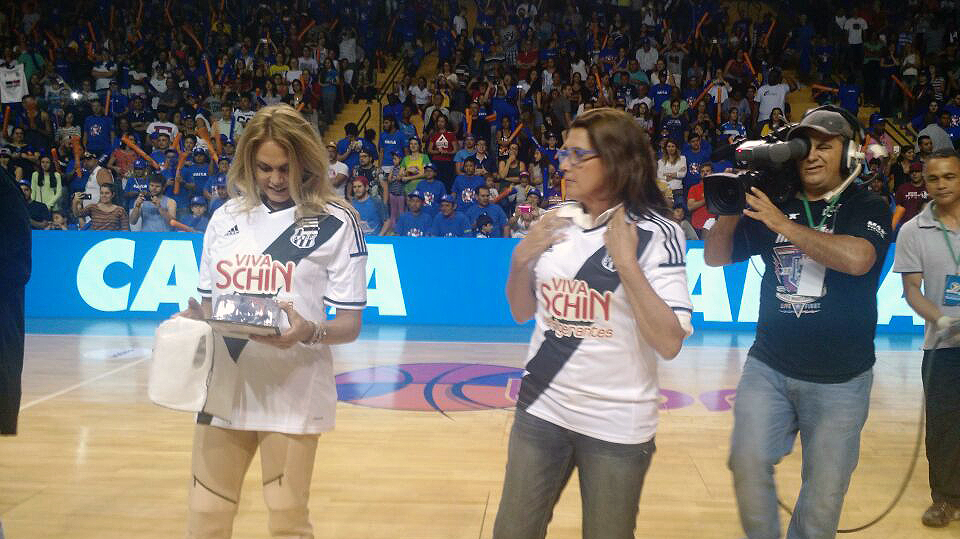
282, 214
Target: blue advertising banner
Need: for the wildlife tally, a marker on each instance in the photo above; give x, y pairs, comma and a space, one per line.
412, 281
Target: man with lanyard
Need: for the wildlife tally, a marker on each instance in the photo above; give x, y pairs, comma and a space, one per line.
928, 253
810, 367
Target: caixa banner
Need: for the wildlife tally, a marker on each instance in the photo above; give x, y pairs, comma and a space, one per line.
420, 281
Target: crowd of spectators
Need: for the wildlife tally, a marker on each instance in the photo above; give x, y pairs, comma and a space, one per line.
473, 149
696, 75
126, 115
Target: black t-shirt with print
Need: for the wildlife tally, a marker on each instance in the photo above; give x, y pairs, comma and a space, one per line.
825, 339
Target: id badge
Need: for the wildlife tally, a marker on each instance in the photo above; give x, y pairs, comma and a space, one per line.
951, 291
812, 274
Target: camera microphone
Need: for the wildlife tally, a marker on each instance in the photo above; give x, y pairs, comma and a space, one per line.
776, 153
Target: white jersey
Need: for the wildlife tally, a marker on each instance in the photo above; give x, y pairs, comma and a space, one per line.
588, 369
240, 119
13, 83
315, 262
169, 129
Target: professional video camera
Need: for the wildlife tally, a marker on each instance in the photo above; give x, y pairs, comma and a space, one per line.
759, 163
762, 162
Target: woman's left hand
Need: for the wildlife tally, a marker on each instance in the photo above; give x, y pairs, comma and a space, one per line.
621, 239
300, 330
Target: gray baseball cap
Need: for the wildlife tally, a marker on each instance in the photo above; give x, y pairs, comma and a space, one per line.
827, 122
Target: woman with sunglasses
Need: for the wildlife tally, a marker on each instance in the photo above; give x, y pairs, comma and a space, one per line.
604, 277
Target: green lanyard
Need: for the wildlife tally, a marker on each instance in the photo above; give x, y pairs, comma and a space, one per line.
826, 211
946, 238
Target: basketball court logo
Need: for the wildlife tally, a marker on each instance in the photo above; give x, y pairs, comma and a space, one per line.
426, 387
464, 387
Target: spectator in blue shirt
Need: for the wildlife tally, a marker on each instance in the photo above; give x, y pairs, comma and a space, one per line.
469, 150
373, 215
450, 223
673, 122
97, 130
486, 163
136, 184
197, 220
850, 94
161, 143
414, 222
550, 150
695, 154
118, 101
391, 140
432, 189
348, 148
406, 125
732, 127
219, 190
465, 185
394, 111
198, 173
493, 211
661, 92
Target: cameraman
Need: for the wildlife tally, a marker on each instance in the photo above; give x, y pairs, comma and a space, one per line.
810, 367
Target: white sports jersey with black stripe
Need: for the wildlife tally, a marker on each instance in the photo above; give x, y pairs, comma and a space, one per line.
314, 262
588, 369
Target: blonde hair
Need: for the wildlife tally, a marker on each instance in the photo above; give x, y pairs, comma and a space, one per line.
307, 180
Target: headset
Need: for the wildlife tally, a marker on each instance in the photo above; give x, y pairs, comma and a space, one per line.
852, 155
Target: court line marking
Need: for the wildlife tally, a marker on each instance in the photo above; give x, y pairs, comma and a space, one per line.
81, 384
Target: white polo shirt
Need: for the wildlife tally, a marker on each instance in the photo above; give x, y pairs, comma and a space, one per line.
921, 248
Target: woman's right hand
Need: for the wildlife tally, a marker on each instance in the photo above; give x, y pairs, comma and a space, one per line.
193, 311
542, 235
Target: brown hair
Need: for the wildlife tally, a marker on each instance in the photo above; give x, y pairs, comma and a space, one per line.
627, 157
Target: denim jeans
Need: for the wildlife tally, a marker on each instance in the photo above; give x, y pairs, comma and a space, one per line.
541, 458
769, 412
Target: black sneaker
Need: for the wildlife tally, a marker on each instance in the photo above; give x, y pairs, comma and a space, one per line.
940, 514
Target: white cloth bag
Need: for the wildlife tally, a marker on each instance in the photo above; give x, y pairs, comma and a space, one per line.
191, 369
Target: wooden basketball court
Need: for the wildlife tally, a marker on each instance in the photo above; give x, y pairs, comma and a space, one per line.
96, 460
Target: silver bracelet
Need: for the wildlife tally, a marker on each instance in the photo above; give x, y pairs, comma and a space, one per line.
319, 333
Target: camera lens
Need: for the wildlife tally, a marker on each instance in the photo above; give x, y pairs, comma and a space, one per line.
725, 193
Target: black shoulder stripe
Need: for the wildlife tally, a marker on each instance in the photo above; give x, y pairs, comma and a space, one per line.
672, 235
672, 251
671, 241
357, 231
344, 303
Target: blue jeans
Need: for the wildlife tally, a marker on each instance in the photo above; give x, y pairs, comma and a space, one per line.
541, 458
769, 411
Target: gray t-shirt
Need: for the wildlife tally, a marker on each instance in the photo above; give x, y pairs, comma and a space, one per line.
921, 249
